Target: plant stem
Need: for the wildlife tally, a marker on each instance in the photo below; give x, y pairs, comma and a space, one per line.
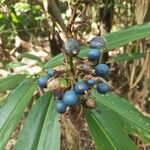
71, 70
71, 64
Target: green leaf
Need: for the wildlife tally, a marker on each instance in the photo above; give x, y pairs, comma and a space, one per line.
29, 135
15, 64
50, 135
114, 40
134, 121
31, 56
12, 111
107, 130
122, 37
54, 62
14, 17
11, 82
126, 57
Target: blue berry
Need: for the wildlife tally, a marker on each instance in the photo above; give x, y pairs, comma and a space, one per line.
91, 82
80, 87
51, 73
71, 47
98, 42
102, 88
102, 70
60, 107
58, 95
42, 81
70, 98
94, 54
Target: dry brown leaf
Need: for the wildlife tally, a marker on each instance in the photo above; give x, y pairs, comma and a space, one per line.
141, 10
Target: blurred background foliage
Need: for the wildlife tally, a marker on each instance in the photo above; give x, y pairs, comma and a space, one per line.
33, 31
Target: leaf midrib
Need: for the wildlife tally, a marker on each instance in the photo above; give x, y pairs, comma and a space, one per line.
44, 123
104, 132
10, 79
123, 39
122, 114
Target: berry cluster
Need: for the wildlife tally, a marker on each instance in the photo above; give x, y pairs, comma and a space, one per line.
73, 85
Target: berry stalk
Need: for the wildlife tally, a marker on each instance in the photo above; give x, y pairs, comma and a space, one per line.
71, 70
71, 49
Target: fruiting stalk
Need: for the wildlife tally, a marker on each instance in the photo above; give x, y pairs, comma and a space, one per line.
71, 70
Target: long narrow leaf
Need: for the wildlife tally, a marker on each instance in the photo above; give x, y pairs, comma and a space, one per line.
50, 135
29, 135
11, 82
134, 121
54, 62
122, 37
107, 130
31, 56
126, 57
12, 111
